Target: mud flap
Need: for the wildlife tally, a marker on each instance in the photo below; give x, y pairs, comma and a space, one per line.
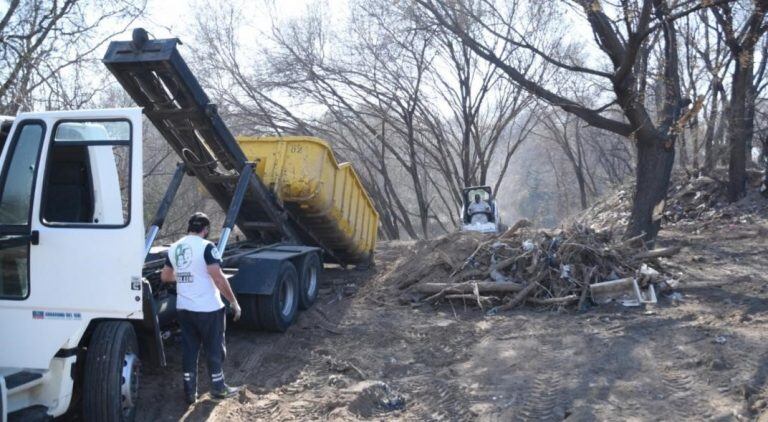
257, 273
148, 329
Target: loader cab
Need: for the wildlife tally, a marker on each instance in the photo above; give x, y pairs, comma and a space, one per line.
486, 195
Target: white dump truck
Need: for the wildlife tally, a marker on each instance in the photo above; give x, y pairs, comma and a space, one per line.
81, 304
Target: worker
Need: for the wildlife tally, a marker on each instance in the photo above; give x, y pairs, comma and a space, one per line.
194, 264
479, 210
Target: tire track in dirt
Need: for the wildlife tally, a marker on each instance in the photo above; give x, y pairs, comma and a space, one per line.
248, 356
680, 385
542, 402
439, 400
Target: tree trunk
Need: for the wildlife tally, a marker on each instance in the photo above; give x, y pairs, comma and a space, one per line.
696, 142
654, 167
683, 151
737, 134
749, 120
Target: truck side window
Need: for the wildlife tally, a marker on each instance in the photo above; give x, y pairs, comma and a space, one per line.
87, 180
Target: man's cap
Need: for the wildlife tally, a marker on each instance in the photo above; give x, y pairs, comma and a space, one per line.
198, 222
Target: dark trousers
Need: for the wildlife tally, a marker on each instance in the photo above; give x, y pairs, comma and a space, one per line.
204, 329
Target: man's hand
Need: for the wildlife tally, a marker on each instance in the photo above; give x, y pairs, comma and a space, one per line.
167, 276
220, 280
236, 309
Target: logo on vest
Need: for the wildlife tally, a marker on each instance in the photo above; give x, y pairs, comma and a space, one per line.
183, 256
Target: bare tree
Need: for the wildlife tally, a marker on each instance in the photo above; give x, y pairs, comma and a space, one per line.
622, 34
41, 40
741, 39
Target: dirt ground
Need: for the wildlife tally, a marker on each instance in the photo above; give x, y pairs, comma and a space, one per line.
359, 354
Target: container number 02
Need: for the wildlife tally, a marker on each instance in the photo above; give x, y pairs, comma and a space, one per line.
296, 149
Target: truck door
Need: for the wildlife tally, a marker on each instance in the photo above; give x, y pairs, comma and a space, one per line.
74, 252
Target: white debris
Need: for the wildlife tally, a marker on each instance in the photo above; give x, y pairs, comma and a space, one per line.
498, 276
528, 245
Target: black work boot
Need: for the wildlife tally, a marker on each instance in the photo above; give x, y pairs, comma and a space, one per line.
220, 390
225, 392
190, 388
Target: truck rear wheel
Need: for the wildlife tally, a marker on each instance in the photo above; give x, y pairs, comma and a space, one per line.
112, 369
309, 284
250, 307
278, 310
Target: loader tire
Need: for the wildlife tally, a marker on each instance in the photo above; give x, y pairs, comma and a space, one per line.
278, 310
309, 281
250, 316
112, 369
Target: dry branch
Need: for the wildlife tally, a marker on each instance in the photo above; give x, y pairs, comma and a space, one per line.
553, 300
470, 298
520, 296
657, 253
484, 287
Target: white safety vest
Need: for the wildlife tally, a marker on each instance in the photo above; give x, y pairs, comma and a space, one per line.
194, 286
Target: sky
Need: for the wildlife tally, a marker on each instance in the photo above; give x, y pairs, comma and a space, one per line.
172, 18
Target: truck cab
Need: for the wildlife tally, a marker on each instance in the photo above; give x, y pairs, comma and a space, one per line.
71, 241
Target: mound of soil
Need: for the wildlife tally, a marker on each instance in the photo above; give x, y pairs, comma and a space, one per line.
430, 261
691, 199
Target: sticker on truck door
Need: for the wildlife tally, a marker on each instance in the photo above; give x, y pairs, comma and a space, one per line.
49, 315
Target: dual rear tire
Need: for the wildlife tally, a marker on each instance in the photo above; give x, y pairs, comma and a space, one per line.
293, 290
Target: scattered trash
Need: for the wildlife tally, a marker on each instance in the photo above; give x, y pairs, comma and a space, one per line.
624, 291
720, 340
528, 245
649, 295
375, 399
498, 277
670, 284
675, 297
647, 275
565, 272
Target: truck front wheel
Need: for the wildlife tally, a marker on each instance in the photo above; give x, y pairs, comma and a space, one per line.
112, 370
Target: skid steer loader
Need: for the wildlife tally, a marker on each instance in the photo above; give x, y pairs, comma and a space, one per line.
479, 221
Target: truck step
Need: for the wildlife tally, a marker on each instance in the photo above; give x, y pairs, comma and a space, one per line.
22, 378
30, 414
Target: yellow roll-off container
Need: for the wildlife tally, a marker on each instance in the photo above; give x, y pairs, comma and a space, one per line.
325, 195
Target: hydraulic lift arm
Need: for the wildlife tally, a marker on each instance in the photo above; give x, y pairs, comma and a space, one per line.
157, 78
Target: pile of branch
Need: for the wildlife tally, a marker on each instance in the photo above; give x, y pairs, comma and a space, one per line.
543, 268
